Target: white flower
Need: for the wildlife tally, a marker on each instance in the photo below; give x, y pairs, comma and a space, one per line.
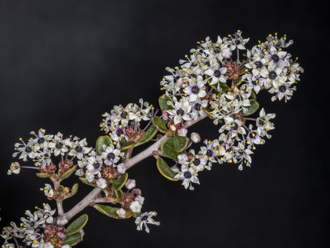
111, 155
188, 175
144, 219
48, 190
216, 74
195, 90
14, 168
263, 123
181, 111
79, 148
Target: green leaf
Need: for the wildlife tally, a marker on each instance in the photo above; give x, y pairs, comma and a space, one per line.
111, 211
125, 145
253, 108
85, 181
120, 182
73, 239
68, 173
44, 175
74, 190
160, 124
102, 140
148, 135
60, 188
168, 149
179, 142
165, 170
224, 87
77, 224
163, 102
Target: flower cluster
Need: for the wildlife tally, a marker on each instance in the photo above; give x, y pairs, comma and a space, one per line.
43, 147
212, 82
35, 230
123, 122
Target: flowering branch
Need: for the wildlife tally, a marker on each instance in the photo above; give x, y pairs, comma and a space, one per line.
211, 83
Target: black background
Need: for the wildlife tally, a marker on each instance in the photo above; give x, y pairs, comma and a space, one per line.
64, 63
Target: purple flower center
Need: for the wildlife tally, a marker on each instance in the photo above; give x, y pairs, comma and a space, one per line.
209, 153
217, 73
272, 75
187, 174
258, 64
195, 89
111, 156
282, 88
180, 112
275, 58
79, 149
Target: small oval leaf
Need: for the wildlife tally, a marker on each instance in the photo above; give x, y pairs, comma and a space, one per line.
168, 149
68, 173
165, 170
44, 175
77, 224
148, 135
120, 182
163, 102
102, 140
125, 145
253, 108
85, 181
179, 142
111, 211
160, 124
72, 239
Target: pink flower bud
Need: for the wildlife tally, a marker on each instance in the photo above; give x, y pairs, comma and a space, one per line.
61, 235
62, 220
195, 137
165, 115
182, 131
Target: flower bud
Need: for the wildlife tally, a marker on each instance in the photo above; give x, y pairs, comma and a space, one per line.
62, 220
121, 168
61, 235
183, 158
173, 128
195, 137
136, 191
135, 207
140, 199
101, 183
121, 213
182, 131
130, 184
165, 115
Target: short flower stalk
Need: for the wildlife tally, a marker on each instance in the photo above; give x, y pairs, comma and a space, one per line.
214, 82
